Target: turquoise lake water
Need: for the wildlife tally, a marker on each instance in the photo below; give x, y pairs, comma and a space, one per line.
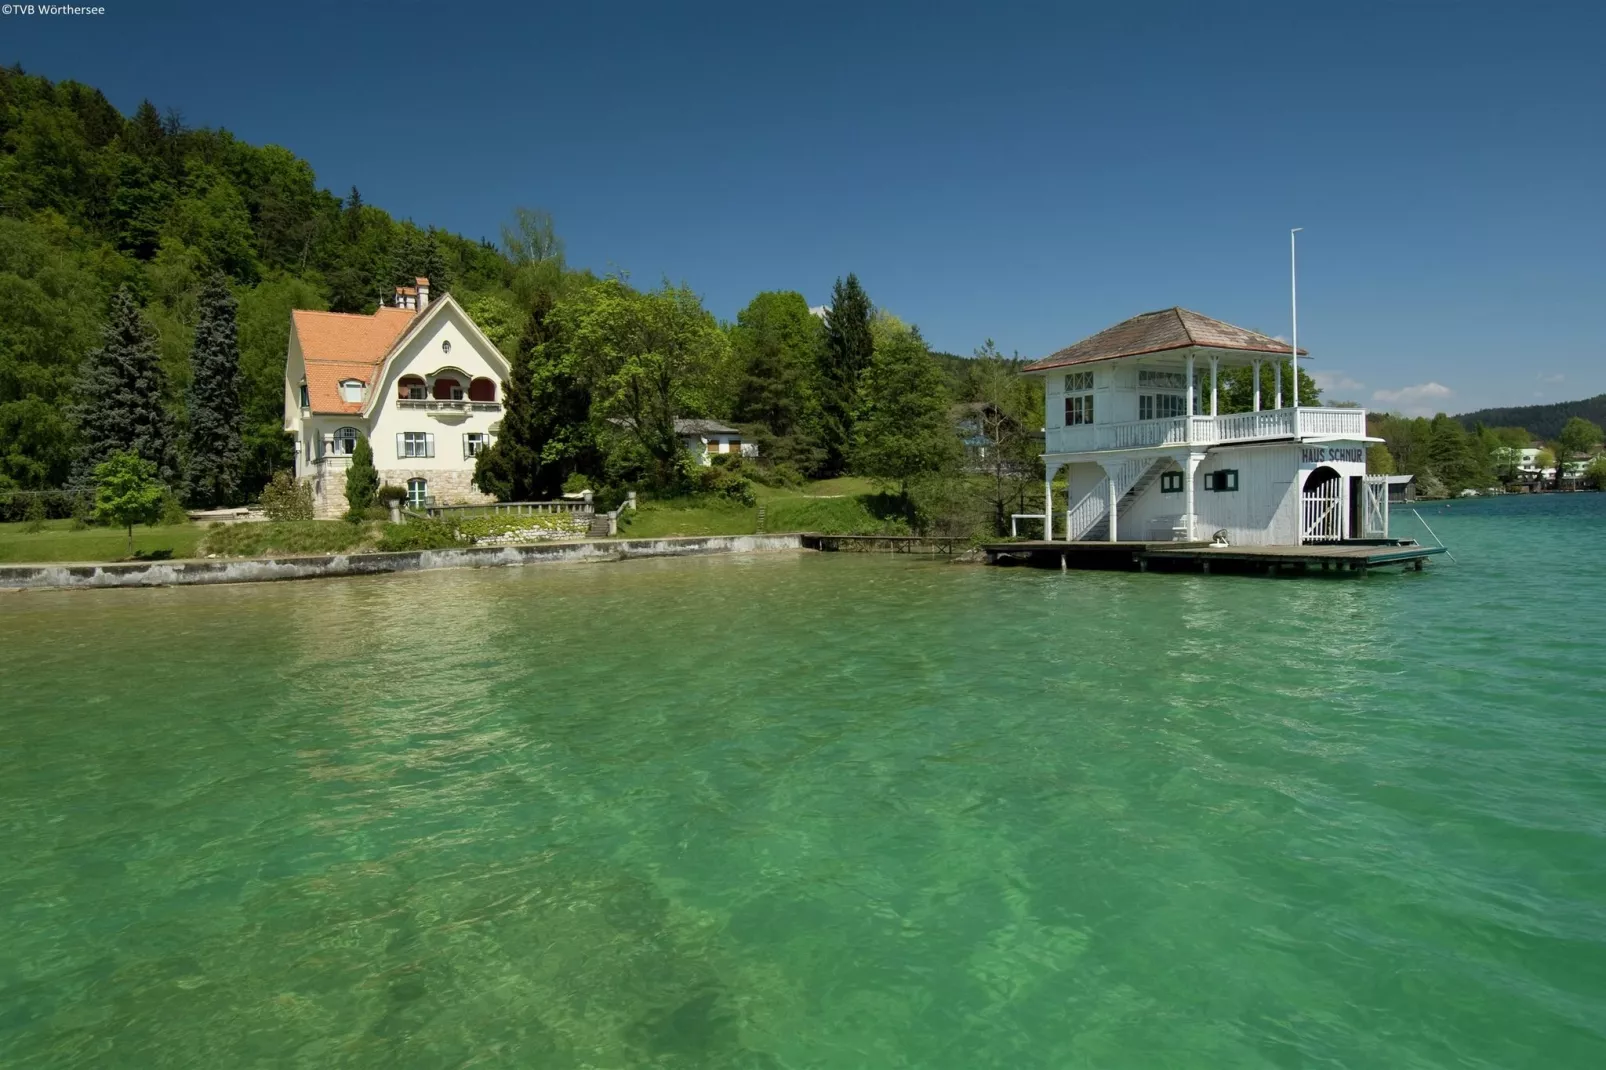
812, 810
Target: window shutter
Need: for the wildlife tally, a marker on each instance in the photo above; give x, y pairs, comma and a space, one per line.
429, 444
401, 446
465, 447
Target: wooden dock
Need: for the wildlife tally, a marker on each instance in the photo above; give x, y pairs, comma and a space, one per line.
1356, 557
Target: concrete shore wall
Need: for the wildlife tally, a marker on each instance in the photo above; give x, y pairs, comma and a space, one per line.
317, 566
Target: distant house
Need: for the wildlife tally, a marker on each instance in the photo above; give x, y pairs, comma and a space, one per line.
1402, 489
977, 422
708, 438
417, 379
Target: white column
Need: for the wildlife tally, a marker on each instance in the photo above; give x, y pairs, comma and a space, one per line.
1113, 505
1215, 364
1190, 397
1190, 469
1279, 383
1257, 386
1048, 503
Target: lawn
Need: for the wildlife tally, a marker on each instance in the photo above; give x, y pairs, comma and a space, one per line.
58, 542
846, 506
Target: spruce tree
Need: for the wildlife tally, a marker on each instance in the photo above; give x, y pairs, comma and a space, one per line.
844, 358
362, 480
507, 467
213, 453
121, 396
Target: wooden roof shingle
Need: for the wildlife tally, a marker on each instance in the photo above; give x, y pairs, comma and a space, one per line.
1156, 332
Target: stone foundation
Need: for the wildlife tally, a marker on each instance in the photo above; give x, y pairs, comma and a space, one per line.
446, 487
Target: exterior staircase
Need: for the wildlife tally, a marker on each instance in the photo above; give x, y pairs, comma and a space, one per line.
599, 526
1131, 483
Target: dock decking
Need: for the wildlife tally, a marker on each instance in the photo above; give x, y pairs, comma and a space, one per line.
1353, 557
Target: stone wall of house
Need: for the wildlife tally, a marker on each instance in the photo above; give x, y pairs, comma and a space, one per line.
328, 491
447, 487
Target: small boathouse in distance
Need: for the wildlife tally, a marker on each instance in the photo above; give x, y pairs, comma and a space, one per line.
1157, 472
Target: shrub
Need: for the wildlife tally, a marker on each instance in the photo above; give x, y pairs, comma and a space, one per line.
576, 483
127, 492
286, 537
390, 493
726, 481
173, 511
419, 535
287, 498
19, 505
35, 515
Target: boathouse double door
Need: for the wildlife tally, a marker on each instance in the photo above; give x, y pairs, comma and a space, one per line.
1324, 507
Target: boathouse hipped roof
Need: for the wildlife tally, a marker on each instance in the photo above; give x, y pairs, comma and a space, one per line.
1156, 332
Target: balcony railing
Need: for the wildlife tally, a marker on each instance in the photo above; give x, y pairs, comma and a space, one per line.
1208, 430
438, 405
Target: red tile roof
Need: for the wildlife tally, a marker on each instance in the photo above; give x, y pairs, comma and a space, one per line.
1156, 332
341, 345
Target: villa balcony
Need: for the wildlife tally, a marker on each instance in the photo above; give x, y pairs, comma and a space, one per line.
439, 407
1183, 431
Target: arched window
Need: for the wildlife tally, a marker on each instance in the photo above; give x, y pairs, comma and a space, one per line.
411, 388
351, 390
345, 442
418, 493
448, 389
482, 390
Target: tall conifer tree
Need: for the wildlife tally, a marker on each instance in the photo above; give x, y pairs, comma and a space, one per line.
121, 396
844, 358
213, 451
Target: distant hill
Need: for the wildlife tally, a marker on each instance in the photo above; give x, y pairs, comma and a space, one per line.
1541, 421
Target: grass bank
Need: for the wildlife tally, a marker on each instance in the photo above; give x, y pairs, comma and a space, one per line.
58, 542
288, 537
846, 506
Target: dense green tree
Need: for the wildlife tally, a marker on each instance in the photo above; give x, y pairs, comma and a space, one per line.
651, 358
1236, 387
213, 451
546, 433
362, 479
122, 396
127, 492
903, 428
1002, 413
775, 344
1577, 436
844, 357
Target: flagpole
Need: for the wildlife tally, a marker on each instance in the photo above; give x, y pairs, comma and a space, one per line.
1293, 299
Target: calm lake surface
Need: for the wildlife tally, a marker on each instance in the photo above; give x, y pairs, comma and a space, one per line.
817, 811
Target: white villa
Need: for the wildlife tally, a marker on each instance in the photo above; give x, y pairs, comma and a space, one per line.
1132, 417
418, 379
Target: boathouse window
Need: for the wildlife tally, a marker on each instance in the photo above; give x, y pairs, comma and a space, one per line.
1077, 381
418, 493
1226, 479
415, 444
1078, 409
1170, 482
1161, 406
474, 442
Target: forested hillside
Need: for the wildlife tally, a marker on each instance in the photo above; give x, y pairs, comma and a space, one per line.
1544, 421
91, 202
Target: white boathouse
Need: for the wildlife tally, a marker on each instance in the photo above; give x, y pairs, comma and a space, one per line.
1136, 419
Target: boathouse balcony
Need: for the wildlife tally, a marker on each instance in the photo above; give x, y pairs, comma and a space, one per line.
1264, 425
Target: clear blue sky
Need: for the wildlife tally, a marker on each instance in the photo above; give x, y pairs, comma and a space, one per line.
1029, 173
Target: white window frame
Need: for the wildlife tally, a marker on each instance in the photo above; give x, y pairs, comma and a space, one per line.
417, 492
412, 445
1079, 382
420, 386
306, 396
342, 444
1153, 378
1078, 409
1162, 406
351, 391
474, 443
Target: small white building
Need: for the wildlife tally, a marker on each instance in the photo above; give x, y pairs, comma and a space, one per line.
1134, 418
706, 439
418, 379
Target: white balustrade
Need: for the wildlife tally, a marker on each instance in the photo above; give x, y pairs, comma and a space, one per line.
1208, 430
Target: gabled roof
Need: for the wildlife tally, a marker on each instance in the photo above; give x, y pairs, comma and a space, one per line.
1156, 332
343, 345
703, 427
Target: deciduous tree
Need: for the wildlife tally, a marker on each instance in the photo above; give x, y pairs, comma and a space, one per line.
127, 492
1578, 435
903, 428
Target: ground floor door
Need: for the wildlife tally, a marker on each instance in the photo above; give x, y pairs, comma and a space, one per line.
1374, 507
1321, 514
